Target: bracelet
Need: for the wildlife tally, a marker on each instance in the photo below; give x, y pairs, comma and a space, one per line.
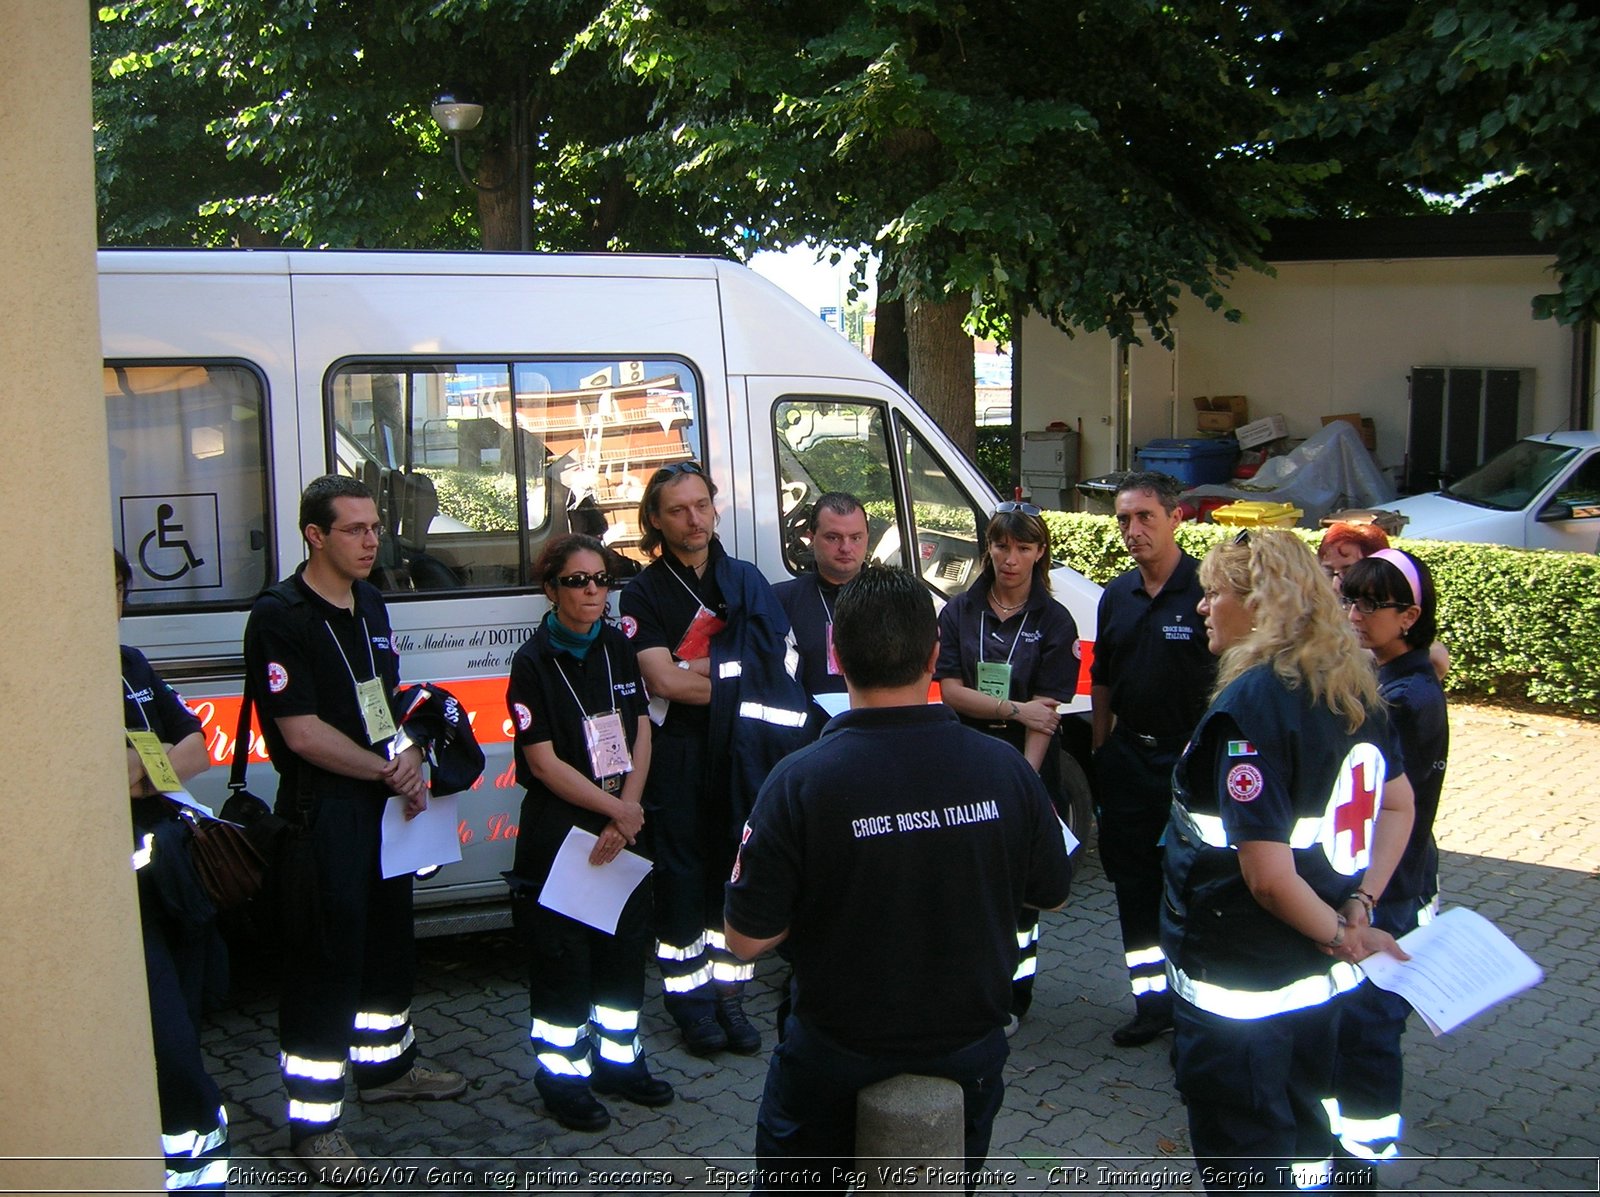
1338, 936
1366, 900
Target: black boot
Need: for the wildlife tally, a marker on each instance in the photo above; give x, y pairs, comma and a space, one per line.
569, 1101
743, 1037
1152, 1017
631, 1082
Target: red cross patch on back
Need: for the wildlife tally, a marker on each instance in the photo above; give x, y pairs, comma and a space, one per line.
1352, 811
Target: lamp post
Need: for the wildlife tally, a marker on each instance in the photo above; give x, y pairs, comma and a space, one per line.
457, 113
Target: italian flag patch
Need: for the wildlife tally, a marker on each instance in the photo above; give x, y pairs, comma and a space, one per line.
1241, 748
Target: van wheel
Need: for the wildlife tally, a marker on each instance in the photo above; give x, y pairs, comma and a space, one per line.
1077, 803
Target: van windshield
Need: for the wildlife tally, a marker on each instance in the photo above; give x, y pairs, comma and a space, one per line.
1510, 481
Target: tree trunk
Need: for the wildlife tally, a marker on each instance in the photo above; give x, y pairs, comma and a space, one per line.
941, 366
889, 351
497, 209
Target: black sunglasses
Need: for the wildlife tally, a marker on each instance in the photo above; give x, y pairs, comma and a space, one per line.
679, 467
1011, 505
578, 581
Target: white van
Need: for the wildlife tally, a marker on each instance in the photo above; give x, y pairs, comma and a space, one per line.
490, 401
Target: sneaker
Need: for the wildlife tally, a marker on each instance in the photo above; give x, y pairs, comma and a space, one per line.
633, 1083
703, 1036
742, 1036
572, 1105
1149, 1022
326, 1154
420, 1084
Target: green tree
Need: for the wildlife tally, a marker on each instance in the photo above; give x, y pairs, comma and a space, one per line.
307, 122
1495, 98
1091, 161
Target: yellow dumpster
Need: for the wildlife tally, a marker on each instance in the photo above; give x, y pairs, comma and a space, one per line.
1258, 515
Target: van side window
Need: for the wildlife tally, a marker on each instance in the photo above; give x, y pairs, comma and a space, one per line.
943, 519
477, 463
189, 482
832, 445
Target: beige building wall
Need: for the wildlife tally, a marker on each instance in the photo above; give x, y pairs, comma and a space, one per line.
1319, 339
79, 1092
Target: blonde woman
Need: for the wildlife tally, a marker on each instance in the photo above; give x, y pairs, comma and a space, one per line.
1289, 814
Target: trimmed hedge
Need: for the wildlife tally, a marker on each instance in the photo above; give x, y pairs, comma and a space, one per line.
1519, 623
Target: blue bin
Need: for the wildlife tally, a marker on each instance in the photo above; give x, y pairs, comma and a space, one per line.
1194, 461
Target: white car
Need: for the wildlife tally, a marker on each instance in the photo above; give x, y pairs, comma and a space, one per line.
1541, 493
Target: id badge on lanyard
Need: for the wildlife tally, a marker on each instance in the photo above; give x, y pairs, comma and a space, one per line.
157, 765
608, 746
696, 642
376, 716
994, 679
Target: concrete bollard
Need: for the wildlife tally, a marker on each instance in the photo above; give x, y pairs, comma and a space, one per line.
910, 1136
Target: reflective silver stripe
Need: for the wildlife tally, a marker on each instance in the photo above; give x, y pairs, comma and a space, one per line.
1026, 939
1209, 831
1148, 984
1356, 1135
1144, 956
143, 853
715, 940
777, 715
730, 669
212, 1172
313, 1070
614, 1052
684, 984
555, 1036
1026, 967
561, 1066
665, 951
1263, 1003
727, 971
609, 1018
380, 1053
1428, 913
196, 1142
1311, 1174
791, 656
367, 1020
314, 1111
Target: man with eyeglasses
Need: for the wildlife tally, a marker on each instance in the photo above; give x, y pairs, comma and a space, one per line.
321, 668
1149, 683
839, 541
714, 649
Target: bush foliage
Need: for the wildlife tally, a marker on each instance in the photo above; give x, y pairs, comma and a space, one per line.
1519, 623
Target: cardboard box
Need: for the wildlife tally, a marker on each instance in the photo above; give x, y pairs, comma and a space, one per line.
1259, 432
1362, 424
1220, 413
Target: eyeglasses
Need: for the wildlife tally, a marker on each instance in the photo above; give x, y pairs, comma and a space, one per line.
360, 531
679, 467
1368, 607
1011, 505
578, 581
1243, 538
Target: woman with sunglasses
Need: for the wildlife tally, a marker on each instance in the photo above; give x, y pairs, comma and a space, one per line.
1343, 544
1390, 599
1008, 655
582, 751
1289, 809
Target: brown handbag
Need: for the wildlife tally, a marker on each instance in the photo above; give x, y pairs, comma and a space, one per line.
229, 866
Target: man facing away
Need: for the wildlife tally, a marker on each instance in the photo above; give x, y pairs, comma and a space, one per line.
321, 668
891, 857
1151, 677
838, 531
713, 648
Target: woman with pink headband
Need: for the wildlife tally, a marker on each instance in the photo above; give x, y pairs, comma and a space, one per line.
1390, 599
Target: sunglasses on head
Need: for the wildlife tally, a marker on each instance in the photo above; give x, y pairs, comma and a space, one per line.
603, 580
679, 467
1011, 505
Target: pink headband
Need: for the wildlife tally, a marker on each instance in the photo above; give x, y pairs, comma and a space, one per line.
1406, 567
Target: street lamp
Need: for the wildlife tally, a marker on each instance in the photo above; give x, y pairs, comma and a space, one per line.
456, 113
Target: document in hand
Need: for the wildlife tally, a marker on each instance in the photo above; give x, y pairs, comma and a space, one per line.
1461, 964
592, 894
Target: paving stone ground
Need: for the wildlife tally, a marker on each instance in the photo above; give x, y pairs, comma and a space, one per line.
1507, 1103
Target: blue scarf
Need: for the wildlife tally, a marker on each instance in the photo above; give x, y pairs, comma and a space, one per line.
566, 640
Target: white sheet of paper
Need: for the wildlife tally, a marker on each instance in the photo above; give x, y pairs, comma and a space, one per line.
425, 842
592, 894
834, 704
184, 798
1461, 964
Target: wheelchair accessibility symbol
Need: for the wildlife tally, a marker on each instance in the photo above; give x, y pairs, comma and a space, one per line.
174, 540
